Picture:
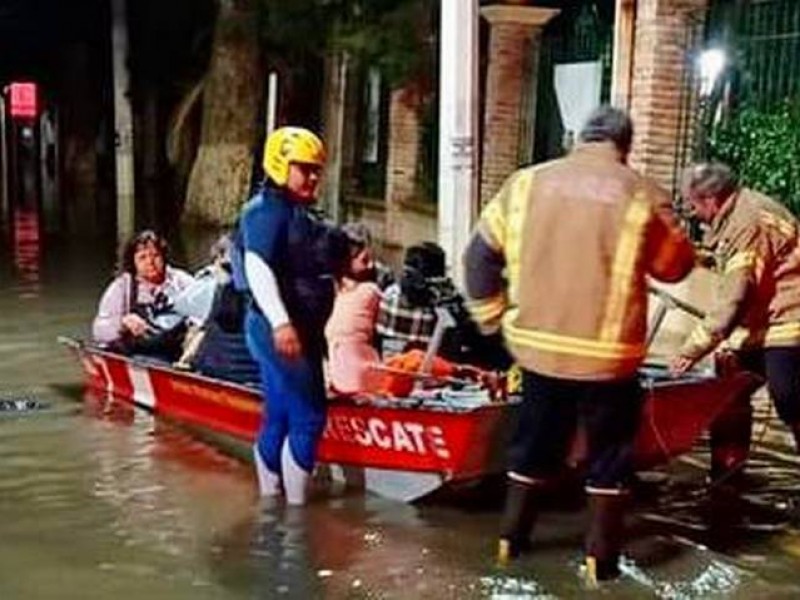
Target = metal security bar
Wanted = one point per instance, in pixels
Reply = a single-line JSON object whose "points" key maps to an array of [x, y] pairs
{"points": [[760, 40], [767, 41]]}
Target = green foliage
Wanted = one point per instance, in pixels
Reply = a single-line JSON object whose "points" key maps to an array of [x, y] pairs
{"points": [[388, 34], [763, 148]]}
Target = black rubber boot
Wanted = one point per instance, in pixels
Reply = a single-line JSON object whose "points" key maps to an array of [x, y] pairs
{"points": [[730, 442], [519, 515], [795, 429], [604, 536]]}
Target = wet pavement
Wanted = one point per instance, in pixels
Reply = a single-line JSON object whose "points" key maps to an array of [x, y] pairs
{"points": [[100, 501]]}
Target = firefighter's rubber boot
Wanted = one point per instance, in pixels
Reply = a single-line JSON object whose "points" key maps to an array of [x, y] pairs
{"points": [[795, 428], [269, 482], [604, 537], [295, 478], [519, 515], [730, 442]]}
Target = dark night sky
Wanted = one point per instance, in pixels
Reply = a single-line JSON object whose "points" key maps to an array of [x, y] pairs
{"points": [[33, 31]]}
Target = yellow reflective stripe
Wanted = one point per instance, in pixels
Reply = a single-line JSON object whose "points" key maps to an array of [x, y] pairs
{"points": [[606, 491], [487, 309], [565, 344], [736, 340], [741, 260], [785, 227], [623, 268], [783, 332], [700, 337], [517, 214], [495, 222]]}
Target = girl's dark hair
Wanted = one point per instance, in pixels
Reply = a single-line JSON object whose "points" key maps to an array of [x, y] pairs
{"points": [[358, 237], [355, 237], [143, 238]]}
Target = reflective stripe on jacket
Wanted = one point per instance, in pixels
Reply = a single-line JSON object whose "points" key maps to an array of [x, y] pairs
{"points": [[560, 257], [750, 237]]}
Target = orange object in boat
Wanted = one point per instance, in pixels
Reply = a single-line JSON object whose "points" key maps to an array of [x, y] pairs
{"points": [[399, 384]]}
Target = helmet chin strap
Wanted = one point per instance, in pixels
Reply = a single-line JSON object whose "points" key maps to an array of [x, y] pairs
{"points": [[301, 199]]}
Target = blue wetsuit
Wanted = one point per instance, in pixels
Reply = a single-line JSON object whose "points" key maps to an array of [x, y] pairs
{"points": [[297, 248]]}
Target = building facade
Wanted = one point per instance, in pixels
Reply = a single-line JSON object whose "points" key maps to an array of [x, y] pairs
{"points": [[543, 65]]}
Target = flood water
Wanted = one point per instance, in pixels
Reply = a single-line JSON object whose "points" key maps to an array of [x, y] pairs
{"points": [[101, 502]]}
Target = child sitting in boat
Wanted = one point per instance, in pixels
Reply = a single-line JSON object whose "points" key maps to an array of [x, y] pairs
{"points": [[196, 301], [407, 314], [136, 313], [350, 331], [215, 344]]}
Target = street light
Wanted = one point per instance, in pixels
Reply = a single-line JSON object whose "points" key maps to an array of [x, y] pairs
{"points": [[710, 65]]}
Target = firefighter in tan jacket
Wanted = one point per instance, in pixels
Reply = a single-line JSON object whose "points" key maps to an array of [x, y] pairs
{"points": [[559, 261], [757, 313]]}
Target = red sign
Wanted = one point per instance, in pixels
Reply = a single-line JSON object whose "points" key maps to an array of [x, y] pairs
{"points": [[23, 100]]}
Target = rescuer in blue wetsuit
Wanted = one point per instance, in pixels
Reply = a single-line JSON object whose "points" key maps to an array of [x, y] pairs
{"points": [[285, 257]]}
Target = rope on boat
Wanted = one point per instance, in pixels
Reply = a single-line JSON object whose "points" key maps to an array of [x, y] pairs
{"points": [[662, 444], [753, 444], [670, 302], [656, 432]]}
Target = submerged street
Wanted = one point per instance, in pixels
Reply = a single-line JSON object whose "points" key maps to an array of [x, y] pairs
{"points": [[98, 501]]}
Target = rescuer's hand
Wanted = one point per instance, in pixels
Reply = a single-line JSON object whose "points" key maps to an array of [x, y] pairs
{"points": [[680, 364], [791, 264], [287, 343]]}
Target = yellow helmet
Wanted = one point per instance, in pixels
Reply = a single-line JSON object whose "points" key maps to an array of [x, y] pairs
{"points": [[291, 144]]}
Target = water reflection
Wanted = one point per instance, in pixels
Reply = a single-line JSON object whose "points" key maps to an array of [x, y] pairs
{"points": [[27, 251], [101, 501]]}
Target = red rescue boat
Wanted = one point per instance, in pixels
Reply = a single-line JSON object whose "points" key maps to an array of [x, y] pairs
{"points": [[407, 448]]}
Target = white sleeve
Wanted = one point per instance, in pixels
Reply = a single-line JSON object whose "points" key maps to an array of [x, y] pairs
{"points": [[264, 288]]}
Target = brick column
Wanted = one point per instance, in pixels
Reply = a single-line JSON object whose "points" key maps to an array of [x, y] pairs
{"points": [[624, 32], [510, 81], [402, 159], [658, 66]]}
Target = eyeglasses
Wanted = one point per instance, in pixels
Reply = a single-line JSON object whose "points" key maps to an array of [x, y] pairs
{"points": [[309, 169]]}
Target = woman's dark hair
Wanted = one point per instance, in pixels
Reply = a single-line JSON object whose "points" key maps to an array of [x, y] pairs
{"points": [[143, 238]]}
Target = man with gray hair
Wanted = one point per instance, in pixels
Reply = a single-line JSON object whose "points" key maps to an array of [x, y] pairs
{"points": [[559, 260], [757, 313]]}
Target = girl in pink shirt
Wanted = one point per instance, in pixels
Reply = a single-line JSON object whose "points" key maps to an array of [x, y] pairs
{"points": [[350, 330]]}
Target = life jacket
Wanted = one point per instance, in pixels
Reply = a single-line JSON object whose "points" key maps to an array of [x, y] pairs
{"points": [[309, 253], [223, 353]]}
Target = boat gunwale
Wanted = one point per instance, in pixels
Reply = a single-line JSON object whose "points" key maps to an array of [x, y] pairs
{"points": [[386, 404], [693, 377]]}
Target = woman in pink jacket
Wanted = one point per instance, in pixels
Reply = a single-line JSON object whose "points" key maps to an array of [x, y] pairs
{"points": [[350, 331]]}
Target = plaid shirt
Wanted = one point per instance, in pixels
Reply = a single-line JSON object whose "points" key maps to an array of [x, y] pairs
{"points": [[398, 320]]}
